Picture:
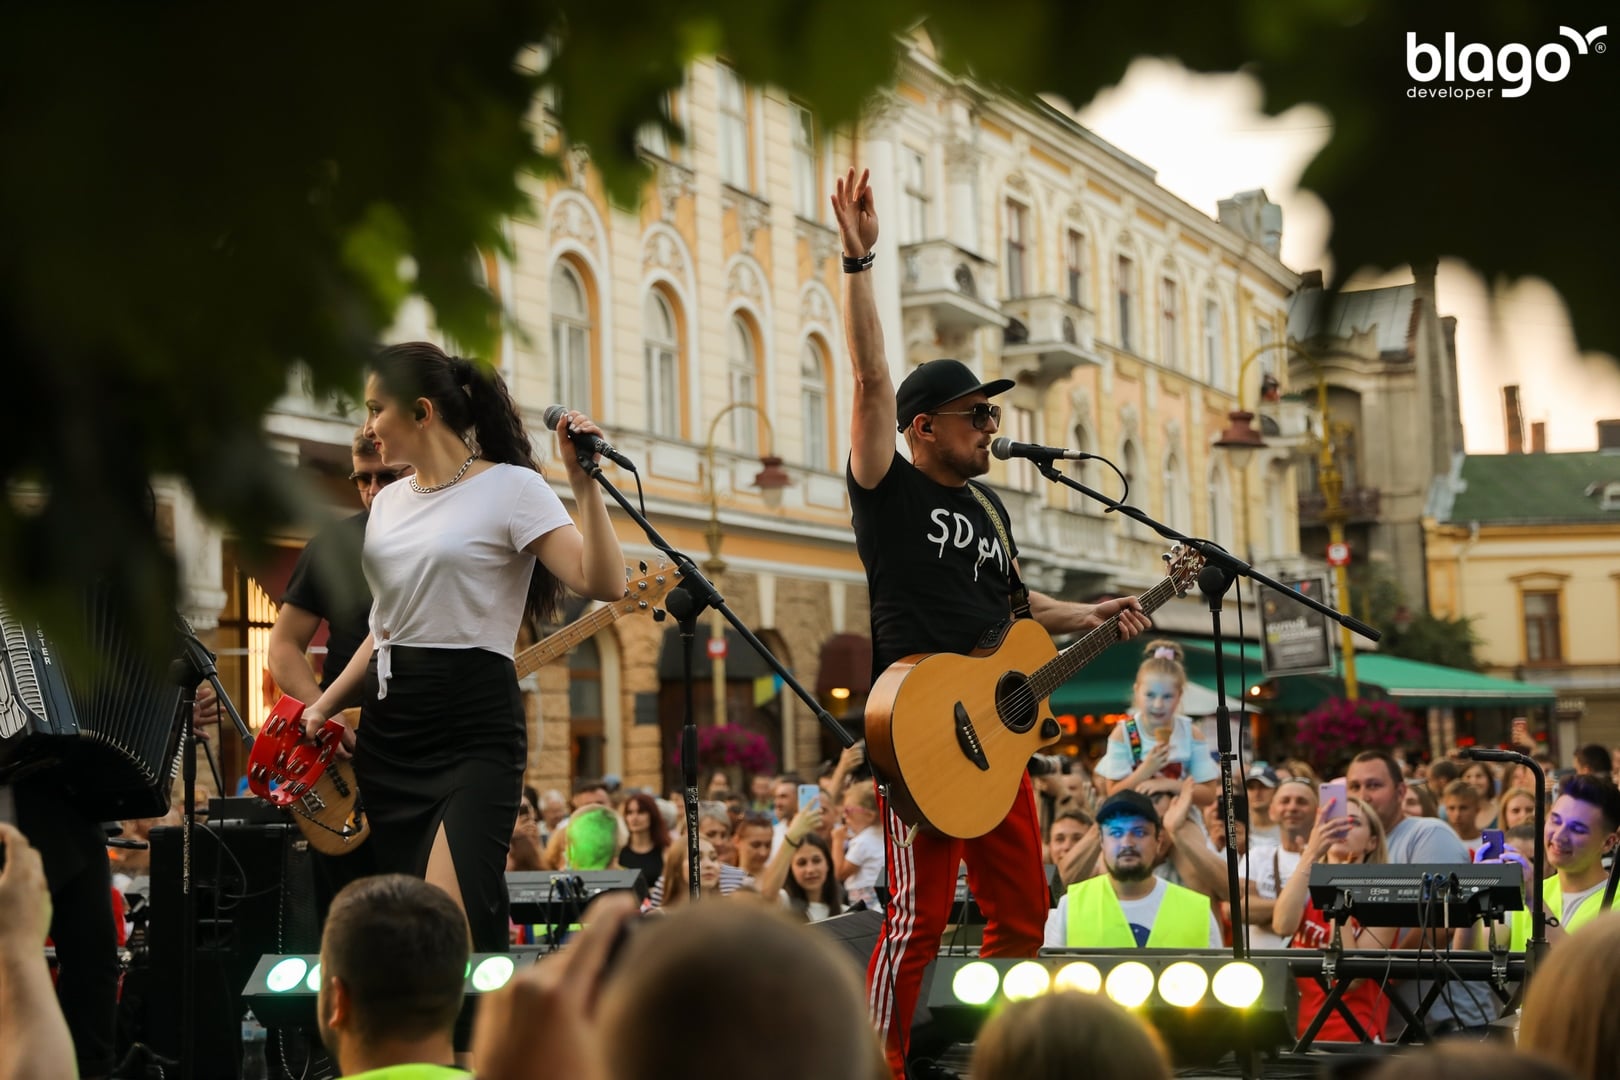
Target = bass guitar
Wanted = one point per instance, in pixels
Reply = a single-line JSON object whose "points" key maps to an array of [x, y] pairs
{"points": [[951, 735], [330, 814]]}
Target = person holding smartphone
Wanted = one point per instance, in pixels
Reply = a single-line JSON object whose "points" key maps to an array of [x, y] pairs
{"points": [[1346, 831]]}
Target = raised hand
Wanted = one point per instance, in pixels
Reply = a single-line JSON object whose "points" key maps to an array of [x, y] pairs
{"points": [[856, 213]]}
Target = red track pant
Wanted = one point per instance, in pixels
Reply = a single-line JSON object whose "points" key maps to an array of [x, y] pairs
{"points": [[1004, 872]]}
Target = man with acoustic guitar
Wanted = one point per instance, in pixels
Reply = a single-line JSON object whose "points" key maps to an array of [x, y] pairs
{"points": [[941, 570]]}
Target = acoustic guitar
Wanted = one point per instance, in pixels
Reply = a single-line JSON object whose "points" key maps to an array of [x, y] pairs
{"points": [[951, 735], [330, 814]]}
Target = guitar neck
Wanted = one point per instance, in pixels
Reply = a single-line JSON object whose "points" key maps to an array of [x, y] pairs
{"points": [[1058, 670], [543, 652]]}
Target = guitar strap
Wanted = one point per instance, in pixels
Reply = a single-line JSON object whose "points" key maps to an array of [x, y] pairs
{"points": [[1133, 735], [1019, 594]]}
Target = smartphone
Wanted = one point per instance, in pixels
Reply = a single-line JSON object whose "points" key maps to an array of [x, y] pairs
{"points": [[1490, 845], [1334, 790], [809, 795]]}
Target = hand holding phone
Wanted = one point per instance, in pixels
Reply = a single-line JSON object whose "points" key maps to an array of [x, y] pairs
{"points": [[1335, 799], [809, 795], [1490, 845]]}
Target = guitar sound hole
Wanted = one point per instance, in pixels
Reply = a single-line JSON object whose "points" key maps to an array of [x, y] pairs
{"points": [[1014, 703]]}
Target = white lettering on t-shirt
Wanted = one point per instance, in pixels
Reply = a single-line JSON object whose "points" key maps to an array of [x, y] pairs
{"points": [[957, 531]]}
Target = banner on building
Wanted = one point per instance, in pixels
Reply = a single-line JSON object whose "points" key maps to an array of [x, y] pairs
{"points": [[1296, 640]]}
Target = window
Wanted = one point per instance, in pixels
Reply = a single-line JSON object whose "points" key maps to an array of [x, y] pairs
{"points": [[653, 138], [813, 404], [662, 376], [1177, 505], [1020, 427], [742, 373], [806, 170], [1212, 342], [1220, 512], [1077, 471], [1543, 641], [1074, 258], [570, 337], [1017, 238], [1124, 273], [585, 730], [734, 165], [1132, 467], [914, 219], [1167, 322]]}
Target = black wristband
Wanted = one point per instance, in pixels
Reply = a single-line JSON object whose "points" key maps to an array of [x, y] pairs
{"points": [[853, 265]]}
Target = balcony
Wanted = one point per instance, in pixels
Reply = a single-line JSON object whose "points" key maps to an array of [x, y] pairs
{"points": [[1078, 537], [952, 285], [309, 427], [1047, 338], [1360, 507]]}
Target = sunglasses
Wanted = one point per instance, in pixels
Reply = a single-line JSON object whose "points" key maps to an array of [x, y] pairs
{"points": [[983, 414], [384, 477]]}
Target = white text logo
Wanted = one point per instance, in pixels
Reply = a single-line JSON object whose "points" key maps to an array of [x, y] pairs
{"points": [[1515, 65]]}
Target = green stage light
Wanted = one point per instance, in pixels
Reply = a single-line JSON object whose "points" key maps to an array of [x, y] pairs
{"points": [[975, 983], [1183, 983], [492, 973], [1238, 985], [1026, 980], [1129, 984], [1081, 976], [286, 974], [313, 983]]}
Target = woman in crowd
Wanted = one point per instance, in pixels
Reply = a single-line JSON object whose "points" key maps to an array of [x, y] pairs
{"points": [[1156, 748], [456, 557], [1045, 1038], [677, 887], [1516, 807], [1568, 1010], [1483, 780], [801, 870], [1355, 835], [649, 837], [1420, 801]]}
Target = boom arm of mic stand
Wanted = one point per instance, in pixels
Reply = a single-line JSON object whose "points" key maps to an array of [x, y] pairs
{"points": [[1213, 553], [200, 663]]}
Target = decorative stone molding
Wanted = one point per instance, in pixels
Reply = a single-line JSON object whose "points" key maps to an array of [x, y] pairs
{"points": [[675, 182], [570, 220], [753, 214], [579, 163], [823, 241], [1018, 182], [743, 280], [816, 306], [662, 252]]}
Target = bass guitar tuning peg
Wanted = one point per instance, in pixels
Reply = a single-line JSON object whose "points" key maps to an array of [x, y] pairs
{"points": [[659, 614]]}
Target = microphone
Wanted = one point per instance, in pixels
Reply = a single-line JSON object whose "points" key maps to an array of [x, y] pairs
{"points": [[1485, 753], [1005, 449], [584, 444]]}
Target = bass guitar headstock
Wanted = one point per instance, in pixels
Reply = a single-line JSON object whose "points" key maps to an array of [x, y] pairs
{"points": [[643, 594]]}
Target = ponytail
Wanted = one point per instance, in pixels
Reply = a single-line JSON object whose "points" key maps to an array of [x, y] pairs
{"points": [[474, 402]]}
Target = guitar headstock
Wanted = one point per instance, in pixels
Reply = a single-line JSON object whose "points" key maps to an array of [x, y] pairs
{"points": [[644, 593], [1182, 565]]}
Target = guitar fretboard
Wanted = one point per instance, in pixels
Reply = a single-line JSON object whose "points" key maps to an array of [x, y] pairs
{"points": [[1058, 670], [544, 652]]}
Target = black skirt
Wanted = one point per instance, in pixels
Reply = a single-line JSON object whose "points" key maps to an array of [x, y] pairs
{"points": [[446, 746]]}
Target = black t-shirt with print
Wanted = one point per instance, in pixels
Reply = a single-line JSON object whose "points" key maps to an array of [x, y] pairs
{"points": [[329, 582], [936, 571]]}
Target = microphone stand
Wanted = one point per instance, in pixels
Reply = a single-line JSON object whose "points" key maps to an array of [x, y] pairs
{"points": [[1220, 570], [686, 602], [194, 664], [1536, 948]]}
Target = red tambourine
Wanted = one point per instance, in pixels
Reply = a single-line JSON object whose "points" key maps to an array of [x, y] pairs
{"points": [[281, 756]]}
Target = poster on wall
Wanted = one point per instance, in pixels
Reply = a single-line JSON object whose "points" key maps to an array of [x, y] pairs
{"points": [[1295, 639]]}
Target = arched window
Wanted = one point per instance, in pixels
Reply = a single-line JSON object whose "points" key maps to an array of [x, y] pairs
{"points": [[1212, 342], [662, 379], [586, 734], [1077, 471], [813, 404], [1220, 509], [1177, 505], [743, 377], [1132, 467], [570, 337]]}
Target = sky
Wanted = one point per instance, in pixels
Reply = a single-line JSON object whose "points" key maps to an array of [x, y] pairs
{"points": [[1207, 139]]}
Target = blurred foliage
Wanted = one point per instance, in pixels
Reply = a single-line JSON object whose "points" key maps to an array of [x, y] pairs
{"points": [[1411, 631], [196, 196]]}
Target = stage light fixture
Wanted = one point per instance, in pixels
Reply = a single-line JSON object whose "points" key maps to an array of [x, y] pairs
{"points": [[1081, 976], [492, 973], [1183, 984], [976, 983], [1237, 985], [286, 974], [1129, 984], [1026, 980], [283, 988], [313, 983]]}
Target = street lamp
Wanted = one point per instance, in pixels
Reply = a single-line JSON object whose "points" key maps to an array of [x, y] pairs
{"points": [[1241, 440], [770, 481]]}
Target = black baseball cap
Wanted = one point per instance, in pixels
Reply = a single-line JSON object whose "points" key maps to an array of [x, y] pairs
{"points": [[933, 384], [1128, 804]]}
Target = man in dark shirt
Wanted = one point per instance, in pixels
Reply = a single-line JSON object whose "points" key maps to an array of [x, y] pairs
{"points": [[939, 574], [328, 585]]}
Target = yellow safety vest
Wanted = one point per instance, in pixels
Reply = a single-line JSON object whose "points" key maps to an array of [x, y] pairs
{"points": [[1096, 921], [1552, 899]]}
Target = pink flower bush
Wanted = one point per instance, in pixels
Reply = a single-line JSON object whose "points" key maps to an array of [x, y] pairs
{"points": [[733, 745], [1337, 729]]}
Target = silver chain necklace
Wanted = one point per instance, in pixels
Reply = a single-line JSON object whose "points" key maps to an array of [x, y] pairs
{"points": [[465, 465]]}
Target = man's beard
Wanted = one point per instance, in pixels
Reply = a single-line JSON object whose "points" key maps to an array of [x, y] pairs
{"points": [[1139, 872]]}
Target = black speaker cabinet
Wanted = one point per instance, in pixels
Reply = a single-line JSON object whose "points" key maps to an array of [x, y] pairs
{"points": [[254, 895]]}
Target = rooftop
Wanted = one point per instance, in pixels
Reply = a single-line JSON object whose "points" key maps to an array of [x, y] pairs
{"points": [[1524, 488], [1388, 310]]}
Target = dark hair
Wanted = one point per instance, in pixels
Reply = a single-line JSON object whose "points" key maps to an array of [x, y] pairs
{"points": [[1596, 758], [1041, 1038], [1070, 811], [1396, 776], [474, 403], [362, 446], [581, 787], [400, 947], [832, 889], [752, 819], [1443, 772], [649, 806], [1476, 1061], [1522, 833], [1599, 792]]}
